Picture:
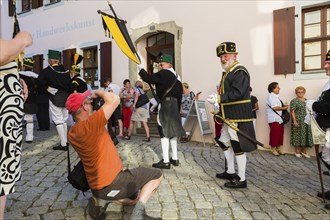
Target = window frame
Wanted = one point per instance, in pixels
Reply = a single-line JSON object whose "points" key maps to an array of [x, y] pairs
{"points": [[323, 38], [19, 6], [305, 75], [52, 2]]}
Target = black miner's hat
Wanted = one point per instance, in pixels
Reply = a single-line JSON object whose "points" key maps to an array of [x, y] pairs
{"points": [[226, 48]]}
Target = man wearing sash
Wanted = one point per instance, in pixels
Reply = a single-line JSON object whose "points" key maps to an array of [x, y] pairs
{"points": [[235, 106], [169, 91], [56, 79], [322, 110]]}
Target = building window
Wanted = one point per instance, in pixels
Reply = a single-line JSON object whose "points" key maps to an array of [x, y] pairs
{"points": [[90, 66], [26, 5], [50, 2], [315, 37], [23, 6]]}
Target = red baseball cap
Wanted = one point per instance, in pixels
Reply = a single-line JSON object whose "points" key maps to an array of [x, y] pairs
{"points": [[75, 101]]}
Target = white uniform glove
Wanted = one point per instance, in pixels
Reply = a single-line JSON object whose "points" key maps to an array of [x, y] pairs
{"points": [[52, 90], [140, 67]]}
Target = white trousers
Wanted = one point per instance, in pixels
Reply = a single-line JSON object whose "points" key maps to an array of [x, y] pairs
{"points": [[29, 127]]}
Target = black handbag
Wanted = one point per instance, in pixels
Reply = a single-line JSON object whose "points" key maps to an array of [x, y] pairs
{"points": [[142, 100], [77, 177], [285, 114]]}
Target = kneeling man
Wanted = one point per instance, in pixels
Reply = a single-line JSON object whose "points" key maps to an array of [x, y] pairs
{"points": [[102, 164]]}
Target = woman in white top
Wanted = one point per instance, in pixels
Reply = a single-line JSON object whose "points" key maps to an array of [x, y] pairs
{"points": [[274, 120]]}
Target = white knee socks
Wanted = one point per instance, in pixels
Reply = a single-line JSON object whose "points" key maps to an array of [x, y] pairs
{"points": [[174, 146], [61, 134], [241, 165], [229, 155], [29, 131], [165, 147]]}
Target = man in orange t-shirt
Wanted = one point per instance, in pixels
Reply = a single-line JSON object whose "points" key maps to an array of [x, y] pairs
{"points": [[102, 164]]}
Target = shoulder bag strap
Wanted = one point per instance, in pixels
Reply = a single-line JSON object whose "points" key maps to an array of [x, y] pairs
{"points": [[169, 89], [274, 111], [69, 164]]}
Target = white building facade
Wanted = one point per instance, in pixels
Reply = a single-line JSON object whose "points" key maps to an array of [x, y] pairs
{"points": [[194, 29]]}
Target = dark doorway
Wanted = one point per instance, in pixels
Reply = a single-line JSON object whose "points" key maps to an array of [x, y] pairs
{"points": [[158, 44]]}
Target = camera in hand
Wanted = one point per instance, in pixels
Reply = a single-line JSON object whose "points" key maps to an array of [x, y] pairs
{"points": [[97, 103]]}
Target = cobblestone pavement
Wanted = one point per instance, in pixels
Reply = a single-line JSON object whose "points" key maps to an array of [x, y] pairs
{"points": [[282, 187]]}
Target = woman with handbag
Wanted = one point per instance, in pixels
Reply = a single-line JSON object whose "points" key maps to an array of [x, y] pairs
{"points": [[140, 111], [274, 110]]}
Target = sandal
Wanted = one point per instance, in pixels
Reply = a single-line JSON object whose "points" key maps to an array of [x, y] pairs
{"points": [[147, 139], [127, 137], [184, 139]]}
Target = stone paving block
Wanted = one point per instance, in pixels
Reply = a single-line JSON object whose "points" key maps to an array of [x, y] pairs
{"points": [[207, 213], [291, 214], [13, 215], [228, 199], [172, 207], [37, 210], [188, 214], [53, 215], [317, 216], [260, 216], [22, 206], [251, 207], [207, 191], [222, 216], [299, 209], [31, 217], [275, 214], [203, 205], [283, 207], [182, 198], [316, 209], [59, 205], [155, 214], [170, 215], [186, 205], [241, 214], [155, 206], [66, 196], [49, 195], [79, 203], [180, 192], [41, 202], [235, 206], [31, 194], [211, 198], [167, 198]]}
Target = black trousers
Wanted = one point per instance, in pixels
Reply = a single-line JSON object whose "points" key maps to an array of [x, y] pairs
{"points": [[43, 116]]}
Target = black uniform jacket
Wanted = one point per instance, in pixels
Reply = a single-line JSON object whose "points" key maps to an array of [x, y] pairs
{"points": [[322, 109]]}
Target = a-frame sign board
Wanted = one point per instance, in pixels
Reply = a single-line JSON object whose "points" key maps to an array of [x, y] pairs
{"points": [[198, 113]]}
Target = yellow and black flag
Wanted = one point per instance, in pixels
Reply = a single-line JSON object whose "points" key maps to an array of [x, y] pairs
{"points": [[118, 30]]}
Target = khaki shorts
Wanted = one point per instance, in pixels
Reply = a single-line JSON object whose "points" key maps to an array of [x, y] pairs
{"points": [[127, 183]]}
